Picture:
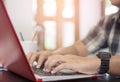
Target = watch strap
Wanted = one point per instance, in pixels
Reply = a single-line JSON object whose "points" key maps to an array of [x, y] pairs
{"points": [[105, 60], [104, 67]]}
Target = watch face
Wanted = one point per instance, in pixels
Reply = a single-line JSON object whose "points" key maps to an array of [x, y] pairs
{"points": [[104, 55]]}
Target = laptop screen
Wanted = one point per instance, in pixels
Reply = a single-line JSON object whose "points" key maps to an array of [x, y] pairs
{"points": [[12, 56]]}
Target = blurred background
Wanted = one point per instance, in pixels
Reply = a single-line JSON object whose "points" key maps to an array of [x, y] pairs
{"points": [[56, 23]]}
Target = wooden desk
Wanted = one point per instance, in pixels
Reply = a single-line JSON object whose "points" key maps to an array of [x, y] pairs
{"points": [[11, 77]]}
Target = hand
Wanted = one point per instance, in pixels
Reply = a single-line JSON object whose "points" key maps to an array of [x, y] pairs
{"points": [[55, 63], [40, 57]]}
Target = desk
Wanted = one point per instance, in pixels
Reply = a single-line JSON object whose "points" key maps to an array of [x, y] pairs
{"points": [[11, 77]]}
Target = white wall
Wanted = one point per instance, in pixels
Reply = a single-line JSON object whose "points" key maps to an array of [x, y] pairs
{"points": [[20, 12], [89, 15]]}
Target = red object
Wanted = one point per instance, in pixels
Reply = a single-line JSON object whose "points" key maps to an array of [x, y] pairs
{"points": [[12, 56], [39, 80], [95, 77]]}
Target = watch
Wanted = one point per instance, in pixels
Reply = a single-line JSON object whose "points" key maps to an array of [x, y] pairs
{"points": [[105, 60]]}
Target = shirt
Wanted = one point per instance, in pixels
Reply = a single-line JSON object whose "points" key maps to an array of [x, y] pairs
{"points": [[106, 34]]}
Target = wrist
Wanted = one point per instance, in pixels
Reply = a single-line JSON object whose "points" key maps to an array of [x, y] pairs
{"points": [[92, 65], [96, 65]]}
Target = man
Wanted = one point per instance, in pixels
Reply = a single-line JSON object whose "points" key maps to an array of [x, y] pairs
{"points": [[105, 34]]}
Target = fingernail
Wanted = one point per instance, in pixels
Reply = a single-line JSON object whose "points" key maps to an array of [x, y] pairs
{"points": [[44, 69], [37, 66], [52, 72], [47, 70]]}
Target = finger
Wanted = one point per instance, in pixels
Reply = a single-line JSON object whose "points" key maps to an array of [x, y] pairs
{"points": [[42, 57], [41, 60], [50, 63], [33, 58], [29, 55], [60, 67]]}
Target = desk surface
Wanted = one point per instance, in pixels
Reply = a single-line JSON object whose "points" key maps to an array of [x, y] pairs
{"points": [[10, 77]]}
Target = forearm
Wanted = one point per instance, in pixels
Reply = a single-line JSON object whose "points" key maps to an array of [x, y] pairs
{"points": [[77, 49], [66, 50], [81, 48], [115, 65]]}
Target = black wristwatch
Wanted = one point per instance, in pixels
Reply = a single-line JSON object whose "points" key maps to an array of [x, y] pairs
{"points": [[105, 59]]}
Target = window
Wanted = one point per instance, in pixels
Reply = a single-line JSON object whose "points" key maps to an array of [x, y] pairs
{"points": [[58, 18], [110, 8]]}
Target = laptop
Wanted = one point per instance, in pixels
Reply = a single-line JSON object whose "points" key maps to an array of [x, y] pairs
{"points": [[12, 56]]}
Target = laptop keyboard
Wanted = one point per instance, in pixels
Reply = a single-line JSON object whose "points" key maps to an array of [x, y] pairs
{"points": [[40, 72]]}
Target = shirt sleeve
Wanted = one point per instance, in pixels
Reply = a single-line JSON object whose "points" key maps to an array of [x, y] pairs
{"points": [[96, 37]]}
